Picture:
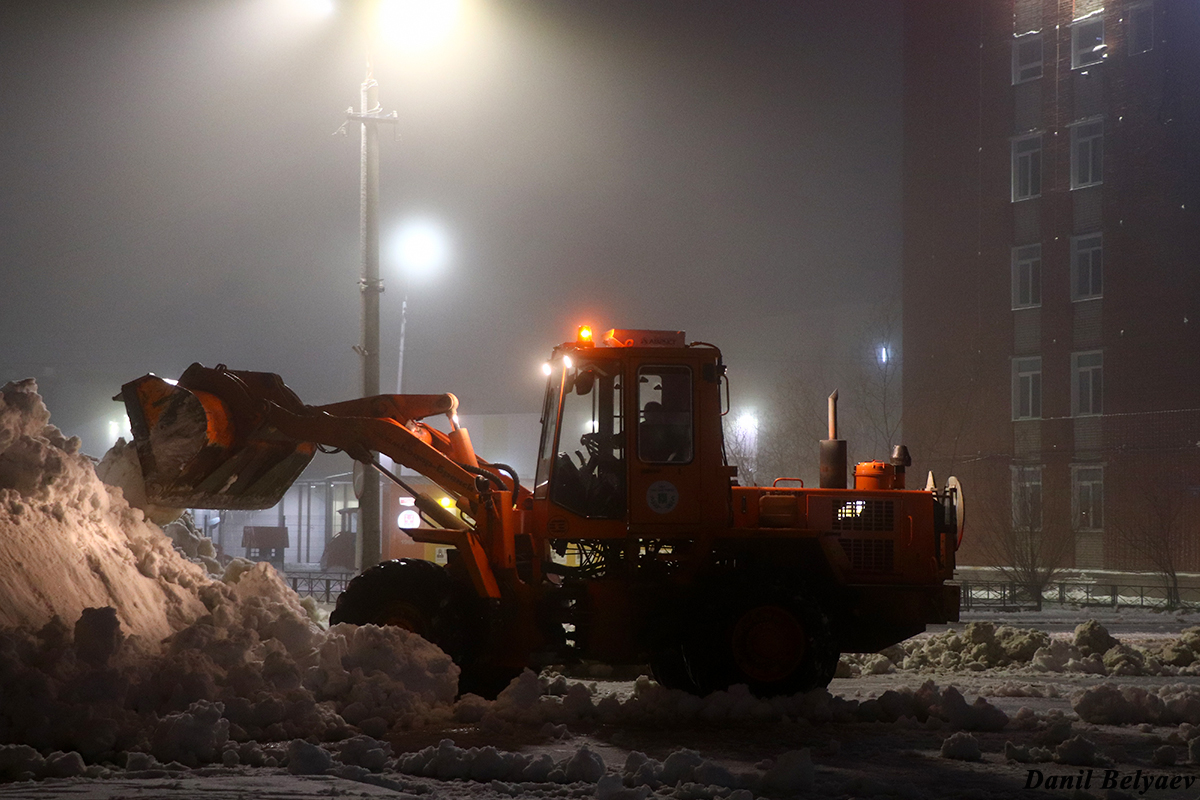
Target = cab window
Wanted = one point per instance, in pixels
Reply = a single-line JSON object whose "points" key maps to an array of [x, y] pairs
{"points": [[589, 463], [664, 400]]}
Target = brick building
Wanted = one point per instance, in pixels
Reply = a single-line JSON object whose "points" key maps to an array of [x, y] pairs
{"points": [[1052, 272]]}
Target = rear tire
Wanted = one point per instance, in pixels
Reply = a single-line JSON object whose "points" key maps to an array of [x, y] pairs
{"points": [[774, 641]]}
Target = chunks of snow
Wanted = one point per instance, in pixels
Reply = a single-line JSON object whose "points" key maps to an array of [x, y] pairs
{"points": [[307, 759], [191, 737], [1109, 704], [1093, 638], [1079, 751], [791, 773], [982, 646], [961, 747]]}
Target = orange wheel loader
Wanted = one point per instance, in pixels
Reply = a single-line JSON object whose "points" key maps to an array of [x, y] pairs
{"points": [[633, 544]]}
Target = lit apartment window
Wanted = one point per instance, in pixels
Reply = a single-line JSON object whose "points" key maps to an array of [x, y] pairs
{"points": [[1027, 387], [1087, 266], [1140, 38], [1087, 497], [1087, 42], [1027, 276], [1027, 167], [1087, 153], [1027, 58], [1087, 383], [1027, 498]]}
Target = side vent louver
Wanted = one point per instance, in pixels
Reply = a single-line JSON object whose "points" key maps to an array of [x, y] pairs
{"points": [[870, 555]]}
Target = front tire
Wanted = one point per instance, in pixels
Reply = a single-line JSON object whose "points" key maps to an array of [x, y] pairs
{"points": [[409, 593], [424, 598]]}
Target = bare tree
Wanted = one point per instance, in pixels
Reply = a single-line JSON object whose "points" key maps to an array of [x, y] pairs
{"points": [[871, 386], [1016, 542], [741, 446], [791, 424], [1157, 530]]}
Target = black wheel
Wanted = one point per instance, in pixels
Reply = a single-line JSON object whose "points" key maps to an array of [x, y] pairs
{"points": [[670, 668], [424, 598], [775, 642], [409, 593]]}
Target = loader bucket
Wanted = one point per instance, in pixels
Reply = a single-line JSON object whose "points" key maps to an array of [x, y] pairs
{"points": [[202, 442]]}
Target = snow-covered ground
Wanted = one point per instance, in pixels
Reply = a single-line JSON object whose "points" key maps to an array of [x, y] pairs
{"points": [[129, 669]]}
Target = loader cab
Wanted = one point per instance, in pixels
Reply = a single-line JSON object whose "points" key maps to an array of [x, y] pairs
{"points": [[623, 434]]}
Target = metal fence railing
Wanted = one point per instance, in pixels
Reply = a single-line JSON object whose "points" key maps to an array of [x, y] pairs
{"points": [[1013, 596], [324, 587], [998, 595]]}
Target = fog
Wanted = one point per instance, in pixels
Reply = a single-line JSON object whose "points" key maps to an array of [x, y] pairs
{"points": [[172, 190]]}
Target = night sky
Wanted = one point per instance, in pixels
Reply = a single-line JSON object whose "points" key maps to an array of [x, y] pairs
{"points": [[171, 190]]}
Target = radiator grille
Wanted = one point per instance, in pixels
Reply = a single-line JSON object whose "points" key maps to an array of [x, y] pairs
{"points": [[870, 555], [863, 515]]}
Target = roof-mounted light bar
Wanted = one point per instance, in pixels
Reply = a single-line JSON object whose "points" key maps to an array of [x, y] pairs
{"points": [[620, 337]]}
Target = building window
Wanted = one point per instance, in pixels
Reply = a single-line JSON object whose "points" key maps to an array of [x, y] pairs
{"points": [[1087, 498], [1027, 498], [1027, 387], [1027, 167], [1087, 266], [1087, 153], [1087, 383], [1141, 29], [1087, 42], [1027, 276], [1027, 58]]}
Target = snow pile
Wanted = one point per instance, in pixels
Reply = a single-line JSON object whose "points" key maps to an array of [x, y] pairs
{"points": [[254, 668], [67, 543], [1109, 704], [121, 469], [982, 646], [528, 702], [112, 641], [961, 747], [684, 773], [979, 646], [692, 774]]}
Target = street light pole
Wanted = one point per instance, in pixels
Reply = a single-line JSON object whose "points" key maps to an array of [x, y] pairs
{"points": [[370, 286]]}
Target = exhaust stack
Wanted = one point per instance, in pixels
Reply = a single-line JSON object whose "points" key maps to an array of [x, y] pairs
{"points": [[833, 452]]}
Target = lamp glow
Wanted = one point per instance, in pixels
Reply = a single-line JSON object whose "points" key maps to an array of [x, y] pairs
{"points": [[417, 24], [420, 247]]}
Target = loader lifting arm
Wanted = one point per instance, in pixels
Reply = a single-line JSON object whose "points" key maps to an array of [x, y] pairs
{"points": [[221, 438]]}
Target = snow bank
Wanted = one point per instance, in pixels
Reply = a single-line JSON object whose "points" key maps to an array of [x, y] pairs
{"points": [[551, 701], [982, 646], [1109, 704], [68, 543], [112, 640]]}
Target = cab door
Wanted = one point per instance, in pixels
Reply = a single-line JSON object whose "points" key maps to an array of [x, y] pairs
{"points": [[664, 467]]}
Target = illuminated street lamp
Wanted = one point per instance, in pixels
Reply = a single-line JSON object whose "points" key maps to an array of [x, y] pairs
{"points": [[409, 23], [420, 248]]}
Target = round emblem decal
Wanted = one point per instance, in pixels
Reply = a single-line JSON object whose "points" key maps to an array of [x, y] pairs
{"points": [[662, 497]]}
